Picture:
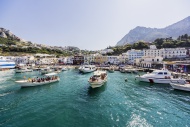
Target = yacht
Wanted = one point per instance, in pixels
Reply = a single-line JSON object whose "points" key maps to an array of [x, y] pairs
{"points": [[87, 68], [98, 79], [160, 76]]}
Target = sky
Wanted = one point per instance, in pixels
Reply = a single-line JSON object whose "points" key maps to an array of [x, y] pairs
{"points": [[87, 24]]}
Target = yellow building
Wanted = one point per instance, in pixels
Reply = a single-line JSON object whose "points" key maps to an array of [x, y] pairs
{"points": [[100, 59]]}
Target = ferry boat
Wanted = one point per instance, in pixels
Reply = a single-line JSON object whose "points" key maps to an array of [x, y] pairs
{"points": [[159, 76], [87, 68], [50, 78], [6, 64], [98, 79]]}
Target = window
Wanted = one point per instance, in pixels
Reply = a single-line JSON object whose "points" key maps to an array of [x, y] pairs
{"points": [[160, 73], [165, 73]]}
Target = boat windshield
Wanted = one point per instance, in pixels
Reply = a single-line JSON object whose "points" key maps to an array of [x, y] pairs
{"points": [[154, 72]]}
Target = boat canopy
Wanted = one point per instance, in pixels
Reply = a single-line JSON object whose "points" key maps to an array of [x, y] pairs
{"points": [[51, 74], [99, 72]]}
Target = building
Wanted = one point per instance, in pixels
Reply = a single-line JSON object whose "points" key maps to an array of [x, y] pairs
{"points": [[148, 62], [100, 59], [134, 54], [165, 52], [78, 60], [47, 59], [113, 60]]}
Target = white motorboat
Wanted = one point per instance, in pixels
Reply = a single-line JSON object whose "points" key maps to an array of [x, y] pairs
{"points": [[64, 69], [50, 78], [46, 71], [159, 76], [87, 68], [184, 87], [98, 79], [22, 70]]}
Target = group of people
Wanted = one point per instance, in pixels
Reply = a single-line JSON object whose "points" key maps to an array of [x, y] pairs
{"points": [[43, 79]]}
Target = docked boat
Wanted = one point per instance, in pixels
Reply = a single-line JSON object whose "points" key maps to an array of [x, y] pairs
{"points": [[46, 71], [22, 70], [178, 86], [50, 78], [87, 68], [160, 76], [111, 70], [6, 64], [98, 79], [64, 69]]}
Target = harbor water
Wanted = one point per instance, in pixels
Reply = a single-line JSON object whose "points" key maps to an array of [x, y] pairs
{"points": [[72, 102]]}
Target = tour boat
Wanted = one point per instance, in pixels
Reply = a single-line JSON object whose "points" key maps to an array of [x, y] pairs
{"points": [[98, 79], [22, 70], [178, 86], [87, 68], [159, 76], [50, 78]]}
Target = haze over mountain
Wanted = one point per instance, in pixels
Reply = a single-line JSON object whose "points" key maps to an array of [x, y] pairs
{"points": [[150, 34]]}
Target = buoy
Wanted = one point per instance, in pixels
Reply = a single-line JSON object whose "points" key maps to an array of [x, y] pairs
{"points": [[126, 79]]}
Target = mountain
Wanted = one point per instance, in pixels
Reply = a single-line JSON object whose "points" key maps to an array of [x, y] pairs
{"points": [[7, 34], [150, 34]]}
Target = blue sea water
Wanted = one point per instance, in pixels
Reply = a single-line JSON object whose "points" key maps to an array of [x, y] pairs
{"points": [[72, 102]]}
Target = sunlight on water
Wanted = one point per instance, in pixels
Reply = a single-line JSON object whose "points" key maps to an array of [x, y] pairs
{"points": [[137, 121]]}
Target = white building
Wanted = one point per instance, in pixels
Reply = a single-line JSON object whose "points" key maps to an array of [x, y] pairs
{"points": [[123, 58], [24, 59], [146, 61], [165, 52], [113, 60], [68, 60], [45, 59], [134, 54], [105, 51], [88, 59]]}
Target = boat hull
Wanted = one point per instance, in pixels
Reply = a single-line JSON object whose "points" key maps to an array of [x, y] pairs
{"points": [[141, 79], [185, 87], [26, 83], [95, 84], [168, 81], [86, 71], [22, 71]]}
